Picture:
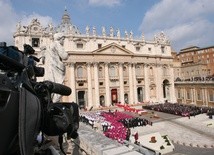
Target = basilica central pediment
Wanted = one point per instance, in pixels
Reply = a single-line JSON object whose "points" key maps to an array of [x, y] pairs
{"points": [[113, 49]]}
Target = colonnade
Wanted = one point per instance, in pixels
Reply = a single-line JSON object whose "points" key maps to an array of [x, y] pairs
{"points": [[93, 88], [193, 95]]}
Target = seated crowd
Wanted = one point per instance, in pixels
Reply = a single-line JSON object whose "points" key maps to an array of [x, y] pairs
{"points": [[178, 109], [115, 125], [134, 122]]}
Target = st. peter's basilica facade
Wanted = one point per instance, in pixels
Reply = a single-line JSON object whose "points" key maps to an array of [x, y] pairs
{"points": [[107, 68]]}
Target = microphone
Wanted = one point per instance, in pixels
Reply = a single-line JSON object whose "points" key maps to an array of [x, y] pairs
{"points": [[58, 88]]}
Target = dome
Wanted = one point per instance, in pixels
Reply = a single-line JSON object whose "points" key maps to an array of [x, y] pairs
{"points": [[66, 26]]}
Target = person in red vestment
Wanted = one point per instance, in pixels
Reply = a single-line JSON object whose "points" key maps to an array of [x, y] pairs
{"points": [[136, 136]]}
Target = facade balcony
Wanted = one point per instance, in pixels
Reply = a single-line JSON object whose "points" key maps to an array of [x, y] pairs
{"points": [[195, 78], [195, 81], [140, 77], [81, 79], [114, 78]]}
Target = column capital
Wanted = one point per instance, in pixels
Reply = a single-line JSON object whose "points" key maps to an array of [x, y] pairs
{"points": [[71, 64], [130, 63], [95, 64], [159, 65], [106, 63], [152, 64], [134, 64], [88, 64], [146, 65], [121, 63]]}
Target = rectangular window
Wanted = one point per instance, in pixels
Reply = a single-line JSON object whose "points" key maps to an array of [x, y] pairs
{"points": [[35, 42], [79, 45], [138, 48], [162, 49], [99, 46], [123, 46], [149, 49]]}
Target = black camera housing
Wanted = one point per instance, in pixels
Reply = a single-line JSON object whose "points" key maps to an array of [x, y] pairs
{"points": [[26, 107]]}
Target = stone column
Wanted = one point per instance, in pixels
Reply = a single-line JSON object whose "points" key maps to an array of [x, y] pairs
{"points": [[96, 86], [107, 88], [146, 83], [131, 99], [89, 82], [121, 83], [184, 95], [206, 95], [158, 82], [172, 86], [72, 97], [203, 95], [134, 85], [194, 96]]}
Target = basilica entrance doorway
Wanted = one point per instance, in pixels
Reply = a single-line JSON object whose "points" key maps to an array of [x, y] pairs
{"points": [[126, 98], [114, 98], [102, 100], [166, 94], [140, 94], [81, 99]]}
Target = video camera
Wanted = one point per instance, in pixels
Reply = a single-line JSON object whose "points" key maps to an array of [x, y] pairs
{"points": [[26, 108]]}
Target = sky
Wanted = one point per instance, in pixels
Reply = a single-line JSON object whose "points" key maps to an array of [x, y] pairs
{"points": [[185, 22]]}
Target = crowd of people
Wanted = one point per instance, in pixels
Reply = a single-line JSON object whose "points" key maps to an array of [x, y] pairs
{"points": [[210, 112], [178, 109], [134, 122], [115, 125]]}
